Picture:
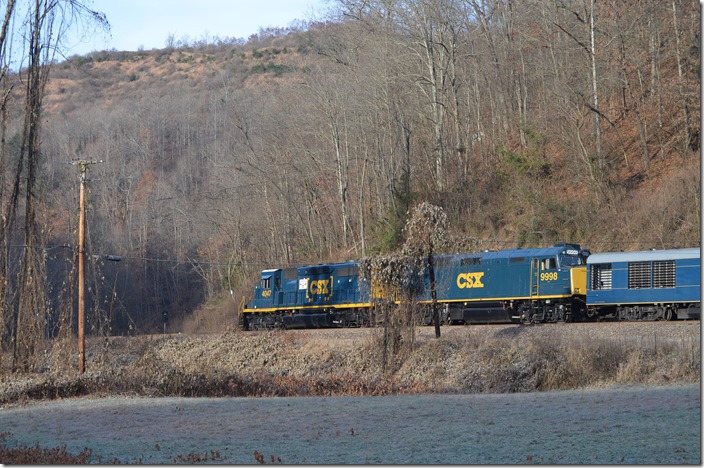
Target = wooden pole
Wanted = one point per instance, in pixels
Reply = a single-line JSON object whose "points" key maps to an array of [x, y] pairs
{"points": [[83, 167], [81, 291]]}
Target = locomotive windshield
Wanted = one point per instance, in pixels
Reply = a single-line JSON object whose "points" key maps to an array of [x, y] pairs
{"points": [[571, 258]]}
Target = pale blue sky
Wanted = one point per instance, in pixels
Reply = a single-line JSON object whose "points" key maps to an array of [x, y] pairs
{"points": [[147, 23]]}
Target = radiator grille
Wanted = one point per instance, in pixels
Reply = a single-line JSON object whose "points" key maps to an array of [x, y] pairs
{"points": [[638, 275], [601, 276], [664, 274]]}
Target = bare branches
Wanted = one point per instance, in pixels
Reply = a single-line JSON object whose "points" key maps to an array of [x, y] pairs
{"points": [[46, 22]]}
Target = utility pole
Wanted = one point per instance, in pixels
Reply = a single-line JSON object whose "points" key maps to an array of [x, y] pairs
{"points": [[83, 167]]}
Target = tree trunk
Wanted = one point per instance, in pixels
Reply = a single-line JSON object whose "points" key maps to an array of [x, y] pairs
{"points": [[596, 116], [433, 290], [680, 74]]}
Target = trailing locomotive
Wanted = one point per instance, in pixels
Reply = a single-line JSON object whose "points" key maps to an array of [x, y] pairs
{"points": [[517, 285], [326, 295], [646, 285]]}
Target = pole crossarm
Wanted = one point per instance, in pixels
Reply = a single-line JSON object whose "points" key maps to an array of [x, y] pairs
{"points": [[84, 164]]}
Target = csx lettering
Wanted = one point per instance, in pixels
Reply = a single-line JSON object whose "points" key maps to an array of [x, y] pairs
{"points": [[319, 287], [470, 280]]}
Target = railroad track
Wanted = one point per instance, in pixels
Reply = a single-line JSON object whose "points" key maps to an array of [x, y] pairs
{"points": [[663, 331]]}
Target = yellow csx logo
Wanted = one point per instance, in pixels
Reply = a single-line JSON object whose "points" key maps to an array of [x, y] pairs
{"points": [[319, 287], [470, 280], [266, 293]]}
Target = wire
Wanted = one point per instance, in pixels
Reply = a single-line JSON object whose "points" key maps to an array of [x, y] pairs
{"points": [[191, 261]]}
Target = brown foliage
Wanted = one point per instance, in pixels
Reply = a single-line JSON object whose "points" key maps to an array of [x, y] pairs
{"points": [[335, 362]]}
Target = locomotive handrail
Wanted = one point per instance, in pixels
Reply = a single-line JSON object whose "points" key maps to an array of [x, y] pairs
{"points": [[240, 308]]}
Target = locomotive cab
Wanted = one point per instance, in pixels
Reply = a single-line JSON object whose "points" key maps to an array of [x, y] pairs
{"points": [[576, 262], [558, 285], [267, 292], [562, 273]]}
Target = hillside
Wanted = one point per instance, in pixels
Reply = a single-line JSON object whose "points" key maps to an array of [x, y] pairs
{"points": [[105, 78], [305, 146]]}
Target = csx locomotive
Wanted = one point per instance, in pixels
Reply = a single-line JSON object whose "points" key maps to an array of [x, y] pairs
{"points": [[562, 283]]}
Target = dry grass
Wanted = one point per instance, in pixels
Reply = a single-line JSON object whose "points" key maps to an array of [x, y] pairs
{"points": [[463, 360], [37, 455], [536, 362]]}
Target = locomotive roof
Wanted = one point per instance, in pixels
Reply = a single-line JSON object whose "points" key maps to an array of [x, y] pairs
{"points": [[513, 253], [268, 273], [643, 255], [321, 266], [330, 265]]}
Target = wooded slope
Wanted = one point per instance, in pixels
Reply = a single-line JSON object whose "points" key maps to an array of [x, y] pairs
{"points": [[528, 122]]}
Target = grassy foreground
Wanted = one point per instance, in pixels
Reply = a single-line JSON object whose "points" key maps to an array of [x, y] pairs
{"points": [[353, 362]]}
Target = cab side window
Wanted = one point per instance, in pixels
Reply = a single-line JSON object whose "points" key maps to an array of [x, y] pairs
{"points": [[266, 283], [548, 264]]}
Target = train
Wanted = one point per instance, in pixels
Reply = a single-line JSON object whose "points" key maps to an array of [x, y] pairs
{"points": [[561, 283]]}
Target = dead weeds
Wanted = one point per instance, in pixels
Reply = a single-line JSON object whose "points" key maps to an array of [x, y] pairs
{"points": [[467, 360]]}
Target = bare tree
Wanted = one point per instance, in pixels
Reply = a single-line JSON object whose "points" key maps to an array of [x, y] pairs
{"points": [[46, 23], [7, 86], [426, 233], [680, 77]]}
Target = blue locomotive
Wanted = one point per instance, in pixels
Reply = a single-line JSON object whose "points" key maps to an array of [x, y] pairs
{"points": [[326, 295], [646, 285], [517, 285]]}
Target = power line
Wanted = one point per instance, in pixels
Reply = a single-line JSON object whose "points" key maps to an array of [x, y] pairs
{"points": [[191, 261]]}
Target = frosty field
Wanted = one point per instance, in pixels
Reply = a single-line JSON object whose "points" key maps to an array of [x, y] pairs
{"points": [[629, 425]]}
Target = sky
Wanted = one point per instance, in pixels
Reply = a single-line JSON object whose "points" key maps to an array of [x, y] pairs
{"points": [[146, 24]]}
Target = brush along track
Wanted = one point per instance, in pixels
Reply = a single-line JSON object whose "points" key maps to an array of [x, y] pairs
{"points": [[466, 359]]}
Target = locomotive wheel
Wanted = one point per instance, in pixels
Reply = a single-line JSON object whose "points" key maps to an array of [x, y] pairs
{"points": [[591, 315], [668, 315]]}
